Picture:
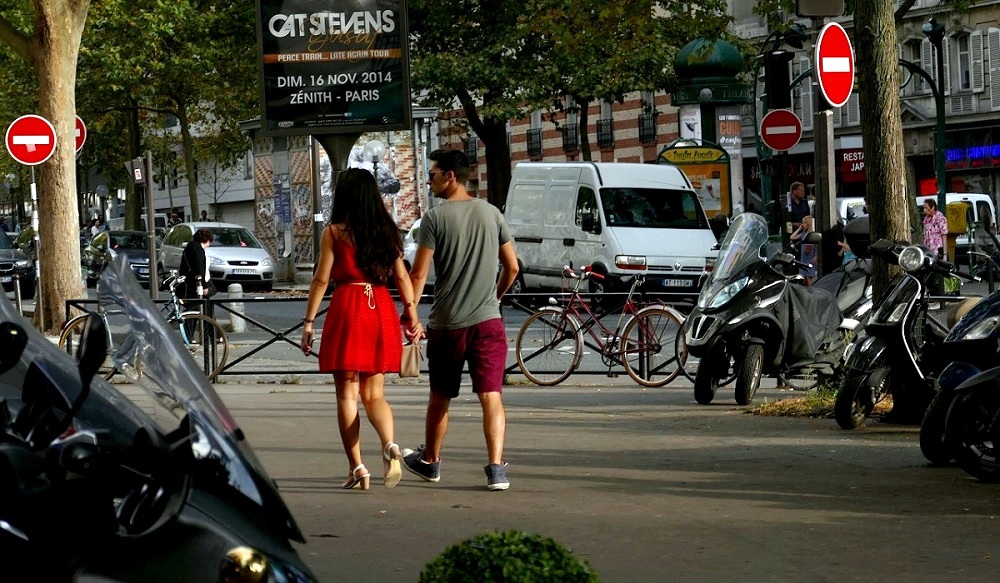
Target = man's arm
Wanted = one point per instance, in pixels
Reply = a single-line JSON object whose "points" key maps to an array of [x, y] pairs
{"points": [[508, 268], [418, 271]]}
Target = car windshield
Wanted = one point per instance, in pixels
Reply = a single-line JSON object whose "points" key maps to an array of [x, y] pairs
{"points": [[128, 241], [654, 208], [233, 237], [5, 242]]}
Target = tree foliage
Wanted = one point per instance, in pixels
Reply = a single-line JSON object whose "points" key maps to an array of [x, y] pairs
{"points": [[502, 60]]}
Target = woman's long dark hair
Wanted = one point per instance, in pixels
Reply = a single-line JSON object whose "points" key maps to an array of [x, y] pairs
{"points": [[358, 204]]}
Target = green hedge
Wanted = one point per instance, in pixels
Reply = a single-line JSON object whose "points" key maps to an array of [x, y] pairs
{"points": [[507, 556]]}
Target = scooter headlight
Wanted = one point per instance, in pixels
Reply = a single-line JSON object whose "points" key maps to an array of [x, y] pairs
{"points": [[982, 329], [727, 293], [913, 258]]}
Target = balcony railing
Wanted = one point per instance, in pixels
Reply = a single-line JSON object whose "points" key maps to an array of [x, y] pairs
{"points": [[571, 137], [605, 133], [534, 142]]}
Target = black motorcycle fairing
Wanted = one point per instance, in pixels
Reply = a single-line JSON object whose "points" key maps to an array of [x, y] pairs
{"points": [[986, 380], [154, 358], [982, 320]]}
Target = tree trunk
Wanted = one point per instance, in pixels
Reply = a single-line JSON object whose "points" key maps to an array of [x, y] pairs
{"points": [[54, 50], [135, 200], [189, 165], [584, 134], [882, 129], [493, 133]]}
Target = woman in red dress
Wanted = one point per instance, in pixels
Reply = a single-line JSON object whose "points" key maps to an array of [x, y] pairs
{"points": [[361, 249]]}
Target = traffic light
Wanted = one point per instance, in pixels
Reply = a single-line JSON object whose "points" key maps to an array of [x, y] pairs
{"points": [[777, 79]]}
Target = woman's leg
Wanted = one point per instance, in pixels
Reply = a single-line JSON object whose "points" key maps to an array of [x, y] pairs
{"points": [[380, 416], [376, 407], [348, 419]]}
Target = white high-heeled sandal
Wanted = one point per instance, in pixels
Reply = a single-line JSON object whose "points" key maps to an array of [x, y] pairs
{"points": [[393, 465], [358, 480]]}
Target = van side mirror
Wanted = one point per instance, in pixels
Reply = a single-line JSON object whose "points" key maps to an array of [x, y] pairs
{"points": [[590, 224]]}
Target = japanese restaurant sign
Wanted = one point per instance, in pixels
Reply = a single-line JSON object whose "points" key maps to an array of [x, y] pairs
{"points": [[333, 66]]}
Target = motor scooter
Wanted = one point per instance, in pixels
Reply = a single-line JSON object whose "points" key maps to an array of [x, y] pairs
{"points": [[900, 350], [155, 482], [972, 346], [972, 425], [752, 316]]}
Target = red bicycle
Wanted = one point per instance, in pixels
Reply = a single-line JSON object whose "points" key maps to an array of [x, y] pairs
{"points": [[551, 341]]}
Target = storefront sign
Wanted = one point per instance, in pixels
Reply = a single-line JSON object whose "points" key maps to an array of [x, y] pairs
{"points": [[333, 66], [852, 165]]}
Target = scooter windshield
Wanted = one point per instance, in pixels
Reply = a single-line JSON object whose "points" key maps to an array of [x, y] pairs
{"points": [[739, 249], [153, 357]]}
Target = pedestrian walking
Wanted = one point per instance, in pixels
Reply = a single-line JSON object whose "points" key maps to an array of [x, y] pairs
{"points": [[798, 204], [360, 251], [935, 231], [807, 251], [464, 236]]}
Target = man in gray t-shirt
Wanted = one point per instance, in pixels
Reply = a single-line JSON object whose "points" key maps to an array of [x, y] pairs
{"points": [[465, 237]]}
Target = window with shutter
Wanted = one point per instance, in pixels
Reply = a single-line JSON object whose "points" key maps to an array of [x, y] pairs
{"points": [[806, 96], [976, 46], [993, 49]]}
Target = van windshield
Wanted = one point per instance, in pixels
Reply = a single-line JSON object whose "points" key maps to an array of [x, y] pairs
{"points": [[653, 208]]}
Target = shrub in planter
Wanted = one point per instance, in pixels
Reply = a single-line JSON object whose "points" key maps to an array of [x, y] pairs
{"points": [[507, 556]]}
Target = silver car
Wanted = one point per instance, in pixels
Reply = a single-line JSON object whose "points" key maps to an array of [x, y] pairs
{"points": [[235, 255]]}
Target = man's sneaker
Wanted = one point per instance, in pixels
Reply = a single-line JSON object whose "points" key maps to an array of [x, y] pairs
{"points": [[414, 461], [496, 476]]}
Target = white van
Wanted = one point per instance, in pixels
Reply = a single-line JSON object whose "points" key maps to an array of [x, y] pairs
{"points": [[982, 209], [620, 218], [159, 220]]}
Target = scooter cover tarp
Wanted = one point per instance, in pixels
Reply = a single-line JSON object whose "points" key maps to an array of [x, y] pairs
{"points": [[814, 317]]}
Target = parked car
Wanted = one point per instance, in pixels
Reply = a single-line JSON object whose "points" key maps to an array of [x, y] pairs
{"points": [[235, 255], [15, 262], [410, 251], [107, 245]]}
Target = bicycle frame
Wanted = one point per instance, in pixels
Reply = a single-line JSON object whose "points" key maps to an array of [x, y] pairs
{"points": [[607, 344]]}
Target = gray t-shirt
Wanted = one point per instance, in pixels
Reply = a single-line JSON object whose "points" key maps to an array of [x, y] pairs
{"points": [[465, 237]]}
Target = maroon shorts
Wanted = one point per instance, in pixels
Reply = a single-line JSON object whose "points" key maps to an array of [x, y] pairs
{"points": [[483, 345]]}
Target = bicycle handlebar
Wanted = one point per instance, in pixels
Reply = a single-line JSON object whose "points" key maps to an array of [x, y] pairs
{"points": [[586, 274]]}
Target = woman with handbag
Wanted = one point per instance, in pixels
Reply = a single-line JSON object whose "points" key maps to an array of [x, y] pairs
{"points": [[360, 251]]}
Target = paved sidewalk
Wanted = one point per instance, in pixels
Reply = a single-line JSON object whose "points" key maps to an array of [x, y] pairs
{"points": [[644, 484]]}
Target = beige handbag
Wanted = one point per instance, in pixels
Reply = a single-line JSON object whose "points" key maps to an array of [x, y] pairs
{"points": [[412, 357]]}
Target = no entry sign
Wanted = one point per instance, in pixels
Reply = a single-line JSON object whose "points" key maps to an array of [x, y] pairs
{"points": [[80, 134], [31, 139], [780, 130], [834, 64]]}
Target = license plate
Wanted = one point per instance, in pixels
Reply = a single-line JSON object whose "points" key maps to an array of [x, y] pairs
{"points": [[6, 279], [244, 271], [677, 283]]}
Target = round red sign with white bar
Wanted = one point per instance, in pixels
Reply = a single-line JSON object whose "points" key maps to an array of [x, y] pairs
{"points": [[31, 139]]}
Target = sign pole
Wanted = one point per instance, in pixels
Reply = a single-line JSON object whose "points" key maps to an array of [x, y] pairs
{"points": [[40, 294], [154, 277]]}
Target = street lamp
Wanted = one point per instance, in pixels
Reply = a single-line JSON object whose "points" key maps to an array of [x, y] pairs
{"points": [[934, 31]]}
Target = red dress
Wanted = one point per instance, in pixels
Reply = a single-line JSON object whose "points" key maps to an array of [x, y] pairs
{"points": [[362, 331]]}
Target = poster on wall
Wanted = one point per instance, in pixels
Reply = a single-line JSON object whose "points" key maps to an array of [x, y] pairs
{"points": [[333, 66]]}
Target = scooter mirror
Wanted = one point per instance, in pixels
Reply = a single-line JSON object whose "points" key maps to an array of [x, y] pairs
{"points": [[880, 246], [814, 238], [13, 339]]}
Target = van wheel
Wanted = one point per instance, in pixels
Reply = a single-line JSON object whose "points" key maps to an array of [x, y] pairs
{"points": [[518, 286], [601, 286]]}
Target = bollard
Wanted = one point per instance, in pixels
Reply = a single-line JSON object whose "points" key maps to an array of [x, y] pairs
{"points": [[236, 322]]}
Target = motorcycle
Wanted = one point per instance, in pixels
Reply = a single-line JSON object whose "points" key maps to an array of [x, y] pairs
{"points": [[899, 339], [972, 346], [972, 425], [94, 487], [752, 316]]}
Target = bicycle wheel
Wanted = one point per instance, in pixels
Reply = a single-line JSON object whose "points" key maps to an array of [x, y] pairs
{"points": [[648, 347], [69, 341], [205, 340], [549, 346]]}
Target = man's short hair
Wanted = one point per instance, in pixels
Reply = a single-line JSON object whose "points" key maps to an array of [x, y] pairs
{"points": [[796, 185], [452, 161]]}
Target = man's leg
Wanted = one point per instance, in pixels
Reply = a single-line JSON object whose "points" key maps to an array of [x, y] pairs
{"points": [[436, 426], [494, 425]]}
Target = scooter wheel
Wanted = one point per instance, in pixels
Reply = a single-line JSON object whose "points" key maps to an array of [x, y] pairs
{"points": [[706, 382], [934, 442], [748, 379], [854, 403], [969, 423]]}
